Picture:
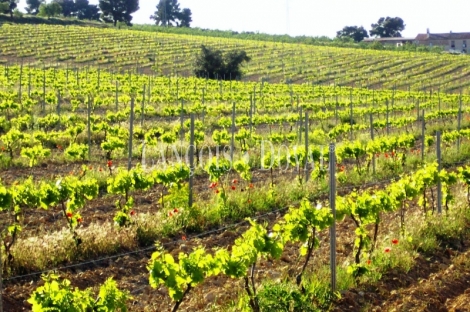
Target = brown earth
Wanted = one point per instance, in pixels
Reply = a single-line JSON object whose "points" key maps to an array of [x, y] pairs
{"points": [[131, 274]]}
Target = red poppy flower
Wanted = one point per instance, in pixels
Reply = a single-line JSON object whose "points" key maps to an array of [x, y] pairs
{"points": [[369, 262], [183, 237], [212, 185], [109, 164], [233, 187], [234, 181], [386, 155], [132, 212], [387, 249], [251, 185], [69, 215], [393, 154], [175, 210], [395, 241], [217, 191], [170, 214], [101, 169], [90, 168], [79, 220], [249, 201]]}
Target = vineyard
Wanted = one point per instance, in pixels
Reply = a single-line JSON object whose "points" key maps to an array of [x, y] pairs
{"points": [[127, 185], [167, 54]]}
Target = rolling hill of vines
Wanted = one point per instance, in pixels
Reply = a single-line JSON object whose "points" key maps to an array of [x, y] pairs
{"points": [[172, 54], [92, 186]]}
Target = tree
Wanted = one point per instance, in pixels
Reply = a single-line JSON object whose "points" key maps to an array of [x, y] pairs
{"points": [[50, 9], [68, 7], [168, 13], [185, 18], [212, 64], [8, 6], [118, 10], [233, 61], [33, 6], [356, 33], [85, 10], [388, 27], [209, 63]]}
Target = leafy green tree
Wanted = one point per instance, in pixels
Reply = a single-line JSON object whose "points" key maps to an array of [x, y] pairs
{"points": [[388, 27], [233, 61], [50, 9], [354, 32], [168, 13], [213, 64], [68, 7], [185, 18], [8, 6], [118, 10], [85, 10], [209, 63], [4, 7], [33, 6]]}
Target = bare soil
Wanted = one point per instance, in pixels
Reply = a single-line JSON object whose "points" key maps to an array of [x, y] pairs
{"points": [[436, 283]]}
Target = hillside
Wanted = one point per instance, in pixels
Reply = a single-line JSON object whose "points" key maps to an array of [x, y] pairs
{"points": [[172, 54], [114, 165]]}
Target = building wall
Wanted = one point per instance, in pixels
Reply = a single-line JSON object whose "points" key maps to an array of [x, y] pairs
{"points": [[459, 44], [391, 42]]}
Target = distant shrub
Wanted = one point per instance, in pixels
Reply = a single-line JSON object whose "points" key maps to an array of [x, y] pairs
{"points": [[212, 64], [17, 13]]}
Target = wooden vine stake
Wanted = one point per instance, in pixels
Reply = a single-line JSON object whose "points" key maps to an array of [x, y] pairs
{"points": [[306, 146], [423, 136], [232, 141], [89, 126], [131, 134], [439, 167], [191, 161], [332, 182]]}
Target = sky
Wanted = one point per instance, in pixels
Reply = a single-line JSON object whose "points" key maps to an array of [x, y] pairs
{"points": [[315, 17]]}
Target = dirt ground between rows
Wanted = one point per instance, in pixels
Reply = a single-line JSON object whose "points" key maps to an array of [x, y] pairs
{"points": [[392, 293]]}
